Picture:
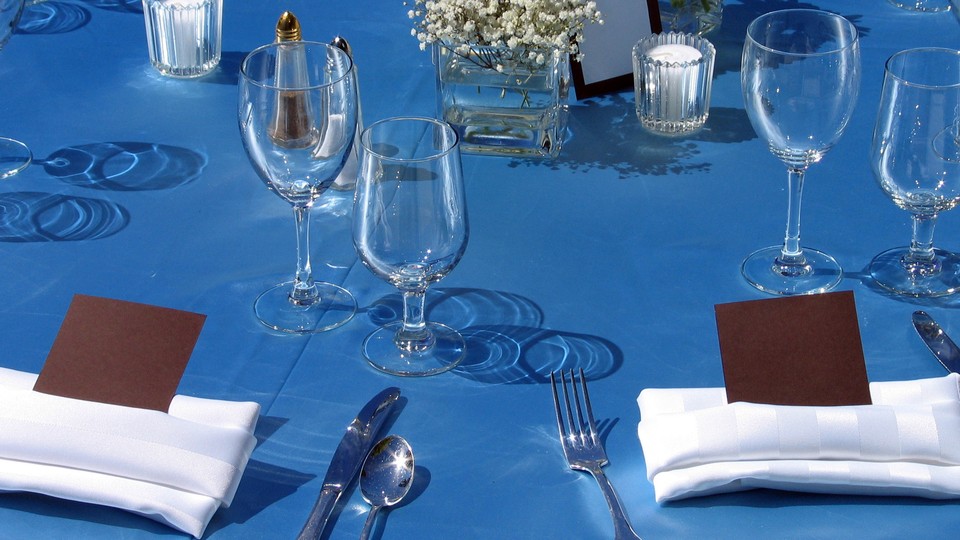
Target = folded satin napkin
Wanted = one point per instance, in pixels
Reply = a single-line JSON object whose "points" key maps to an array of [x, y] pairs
{"points": [[906, 443], [177, 468]]}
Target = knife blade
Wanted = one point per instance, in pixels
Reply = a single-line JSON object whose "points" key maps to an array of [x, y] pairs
{"points": [[937, 341], [348, 458]]}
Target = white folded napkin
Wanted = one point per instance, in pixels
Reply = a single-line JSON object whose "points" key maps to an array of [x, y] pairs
{"points": [[906, 443], [177, 468]]}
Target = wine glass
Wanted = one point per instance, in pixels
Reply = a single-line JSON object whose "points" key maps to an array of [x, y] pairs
{"points": [[800, 76], [916, 160], [297, 115], [410, 229], [14, 155]]}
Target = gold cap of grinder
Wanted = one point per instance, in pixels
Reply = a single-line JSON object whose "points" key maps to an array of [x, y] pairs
{"points": [[288, 28]]}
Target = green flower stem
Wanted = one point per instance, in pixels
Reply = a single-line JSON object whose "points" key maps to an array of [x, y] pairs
{"points": [[680, 4]]}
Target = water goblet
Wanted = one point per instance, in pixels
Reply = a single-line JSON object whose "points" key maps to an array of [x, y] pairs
{"points": [[297, 116], [410, 229], [916, 160], [800, 76], [14, 155]]}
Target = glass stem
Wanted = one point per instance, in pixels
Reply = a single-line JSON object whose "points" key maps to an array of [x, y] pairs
{"points": [[921, 259], [921, 246], [304, 292], [414, 336], [792, 253]]}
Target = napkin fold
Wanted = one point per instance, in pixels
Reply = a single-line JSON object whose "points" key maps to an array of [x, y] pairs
{"points": [[177, 468], [906, 443]]}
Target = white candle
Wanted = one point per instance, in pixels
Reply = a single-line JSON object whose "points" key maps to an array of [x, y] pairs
{"points": [[676, 85], [674, 53]]}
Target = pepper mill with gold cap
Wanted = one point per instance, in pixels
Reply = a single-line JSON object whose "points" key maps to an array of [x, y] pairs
{"points": [[292, 121]]}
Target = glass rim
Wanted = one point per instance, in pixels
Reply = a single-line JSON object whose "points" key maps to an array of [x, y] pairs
{"points": [[855, 33], [706, 49], [907, 52], [454, 140], [276, 44]]}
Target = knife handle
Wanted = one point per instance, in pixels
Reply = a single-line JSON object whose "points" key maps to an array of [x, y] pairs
{"points": [[320, 513]]}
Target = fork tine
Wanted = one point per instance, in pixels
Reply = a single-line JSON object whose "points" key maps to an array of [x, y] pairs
{"points": [[594, 433], [581, 432], [575, 430], [556, 405]]}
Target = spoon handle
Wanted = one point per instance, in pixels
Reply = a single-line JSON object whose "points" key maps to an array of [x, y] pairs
{"points": [[368, 525]]}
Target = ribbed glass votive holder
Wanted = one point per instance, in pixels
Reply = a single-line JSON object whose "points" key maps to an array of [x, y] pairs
{"points": [[672, 76]]}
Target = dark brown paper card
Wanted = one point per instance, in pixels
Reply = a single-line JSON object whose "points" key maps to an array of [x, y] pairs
{"points": [[118, 352], [802, 350]]}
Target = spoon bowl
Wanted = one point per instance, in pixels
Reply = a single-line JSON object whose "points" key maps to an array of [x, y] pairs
{"points": [[386, 476]]}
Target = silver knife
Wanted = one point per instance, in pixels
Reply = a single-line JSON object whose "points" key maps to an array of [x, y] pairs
{"points": [[937, 340], [348, 458]]}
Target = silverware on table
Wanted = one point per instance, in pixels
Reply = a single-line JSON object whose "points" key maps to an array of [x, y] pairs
{"points": [[386, 477], [582, 446], [348, 458], [937, 341]]}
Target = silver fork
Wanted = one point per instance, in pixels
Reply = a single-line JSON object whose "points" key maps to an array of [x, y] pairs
{"points": [[582, 446]]}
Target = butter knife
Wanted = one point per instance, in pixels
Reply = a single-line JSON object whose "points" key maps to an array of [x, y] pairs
{"points": [[347, 459], [937, 341]]}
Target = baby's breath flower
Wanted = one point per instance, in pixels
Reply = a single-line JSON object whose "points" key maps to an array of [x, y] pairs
{"points": [[532, 28]]}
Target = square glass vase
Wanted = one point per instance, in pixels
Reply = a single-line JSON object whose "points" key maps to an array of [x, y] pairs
{"points": [[517, 110]]}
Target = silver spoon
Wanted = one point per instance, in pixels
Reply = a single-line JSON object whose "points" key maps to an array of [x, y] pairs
{"points": [[386, 476]]}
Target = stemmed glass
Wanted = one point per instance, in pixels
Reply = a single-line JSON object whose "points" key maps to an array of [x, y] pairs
{"points": [[14, 155], [297, 115], [410, 229], [800, 76], [916, 161]]}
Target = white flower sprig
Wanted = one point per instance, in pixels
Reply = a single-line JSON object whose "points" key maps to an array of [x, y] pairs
{"points": [[531, 29]]}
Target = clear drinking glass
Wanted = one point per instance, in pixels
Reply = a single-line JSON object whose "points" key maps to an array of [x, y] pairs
{"points": [[14, 155], [800, 76], [916, 161], [297, 115], [410, 229]]}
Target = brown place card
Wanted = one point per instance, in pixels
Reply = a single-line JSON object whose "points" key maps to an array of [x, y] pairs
{"points": [[118, 352], [801, 350]]}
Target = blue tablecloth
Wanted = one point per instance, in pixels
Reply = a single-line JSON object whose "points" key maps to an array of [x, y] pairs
{"points": [[610, 257]]}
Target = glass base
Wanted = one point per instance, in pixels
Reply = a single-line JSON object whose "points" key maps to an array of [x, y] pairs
{"points": [[14, 157], [940, 278], [335, 307], [381, 351], [818, 274], [673, 127]]}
